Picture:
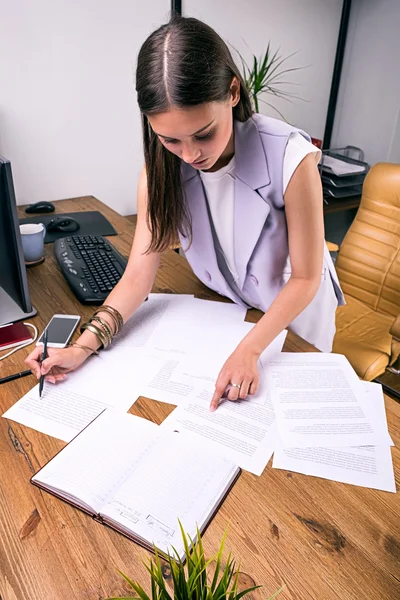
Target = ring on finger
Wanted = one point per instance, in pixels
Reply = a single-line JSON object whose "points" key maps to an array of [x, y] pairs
{"points": [[236, 385]]}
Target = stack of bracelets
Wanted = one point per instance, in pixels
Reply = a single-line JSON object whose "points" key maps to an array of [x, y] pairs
{"points": [[102, 328]]}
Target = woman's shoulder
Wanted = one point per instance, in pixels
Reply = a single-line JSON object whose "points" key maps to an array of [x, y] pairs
{"points": [[275, 127]]}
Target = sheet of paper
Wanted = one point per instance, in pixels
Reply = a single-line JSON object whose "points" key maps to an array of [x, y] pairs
{"points": [[244, 430], [156, 382], [366, 466], [215, 310], [209, 360], [59, 413], [184, 327], [139, 328], [166, 316], [66, 408], [163, 377], [374, 405], [182, 354], [341, 167], [318, 402]]}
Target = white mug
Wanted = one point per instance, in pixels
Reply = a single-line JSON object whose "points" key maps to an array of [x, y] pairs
{"points": [[32, 235]]}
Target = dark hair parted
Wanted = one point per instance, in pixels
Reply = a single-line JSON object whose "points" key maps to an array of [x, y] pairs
{"points": [[183, 63]]}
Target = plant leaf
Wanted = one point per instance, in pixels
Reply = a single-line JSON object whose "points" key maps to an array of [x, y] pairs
{"points": [[137, 587], [247, 591], [274, 107], [219, 558], [276, 593]]}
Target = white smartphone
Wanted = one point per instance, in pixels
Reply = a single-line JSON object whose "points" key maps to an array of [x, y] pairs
{"points": [[60, 330]]}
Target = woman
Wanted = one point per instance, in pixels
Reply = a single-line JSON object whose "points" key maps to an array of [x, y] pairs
{"points": [[242, 191]]}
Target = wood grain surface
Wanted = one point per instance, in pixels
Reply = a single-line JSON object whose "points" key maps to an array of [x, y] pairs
{"points": [[323, 540]]}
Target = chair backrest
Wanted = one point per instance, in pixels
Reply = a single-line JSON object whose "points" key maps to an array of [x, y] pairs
{"points": [[368, 264]]}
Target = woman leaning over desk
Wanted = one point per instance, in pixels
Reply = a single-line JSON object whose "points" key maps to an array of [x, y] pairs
{"points": [[242, 191]]}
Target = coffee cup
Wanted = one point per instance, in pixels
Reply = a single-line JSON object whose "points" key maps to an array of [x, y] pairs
{"points": [[32, 235]]}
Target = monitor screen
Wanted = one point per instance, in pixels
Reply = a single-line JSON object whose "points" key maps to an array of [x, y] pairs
{"points": [[15, 302]]}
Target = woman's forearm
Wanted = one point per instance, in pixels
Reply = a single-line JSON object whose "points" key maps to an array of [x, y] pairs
{"points": [[129, 293], [127, 296], [294, 297]]}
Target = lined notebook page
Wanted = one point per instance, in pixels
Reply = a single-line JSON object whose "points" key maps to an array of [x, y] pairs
{"points": [[100, 458], [178, 478]]}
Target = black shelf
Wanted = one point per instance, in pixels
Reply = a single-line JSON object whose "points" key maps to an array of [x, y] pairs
{"points": [[339, 204]]}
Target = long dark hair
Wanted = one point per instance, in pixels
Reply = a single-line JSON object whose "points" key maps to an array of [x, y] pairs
{"points": [[183, 63]]}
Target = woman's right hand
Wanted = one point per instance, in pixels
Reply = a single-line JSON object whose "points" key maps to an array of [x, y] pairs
{"points": [[59, 362]]}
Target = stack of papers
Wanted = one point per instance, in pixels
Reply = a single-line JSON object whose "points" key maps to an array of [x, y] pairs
{"points": [[329, 423], [341, 167], [311, 411]]}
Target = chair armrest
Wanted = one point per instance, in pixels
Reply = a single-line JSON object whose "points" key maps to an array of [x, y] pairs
{"points": [[395, 328], [332, 247]]}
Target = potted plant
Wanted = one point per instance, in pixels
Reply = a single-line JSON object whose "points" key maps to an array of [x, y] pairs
{"points": [[267, 76], [192, 580]]}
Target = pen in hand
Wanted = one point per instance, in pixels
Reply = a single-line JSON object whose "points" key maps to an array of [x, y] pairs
{"points": [[44, 355]]}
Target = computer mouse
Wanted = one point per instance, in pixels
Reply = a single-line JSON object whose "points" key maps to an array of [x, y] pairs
{"points": [[40, 207], [65, 224]]}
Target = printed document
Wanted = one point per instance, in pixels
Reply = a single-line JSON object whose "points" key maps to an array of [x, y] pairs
{"points": [[318, 402], [66, 408], [172, 374], [170, 369], [367, 466], [244, 430]]}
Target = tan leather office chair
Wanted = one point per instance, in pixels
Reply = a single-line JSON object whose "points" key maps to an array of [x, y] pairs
{"points": [[368, 266]]}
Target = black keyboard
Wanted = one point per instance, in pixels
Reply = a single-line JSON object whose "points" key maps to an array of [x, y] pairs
{"points": [[91, 266]]}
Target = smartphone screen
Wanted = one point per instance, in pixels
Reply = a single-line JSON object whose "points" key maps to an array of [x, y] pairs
{"points": [[60, 330]]}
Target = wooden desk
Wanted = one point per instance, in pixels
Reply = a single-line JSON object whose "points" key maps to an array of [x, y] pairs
{"points": [[324, 540]]}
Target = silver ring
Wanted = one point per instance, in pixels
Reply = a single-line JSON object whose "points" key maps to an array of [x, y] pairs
{"points": [[236, 385]]}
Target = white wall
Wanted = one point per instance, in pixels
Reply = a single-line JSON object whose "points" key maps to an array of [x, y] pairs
{"points": [[69, 122], [368, 110], [68, 116], [308, 27]]}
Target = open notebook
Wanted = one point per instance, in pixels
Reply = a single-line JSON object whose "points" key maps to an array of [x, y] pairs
{"points": [[135, 477]]}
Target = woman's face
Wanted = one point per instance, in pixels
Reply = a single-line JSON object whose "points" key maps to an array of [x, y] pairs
{"points": [[201, 135]]}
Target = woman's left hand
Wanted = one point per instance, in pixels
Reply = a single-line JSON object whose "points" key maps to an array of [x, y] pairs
{"points": [[239, 375]]}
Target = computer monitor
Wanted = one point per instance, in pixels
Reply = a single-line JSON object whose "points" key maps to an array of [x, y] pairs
{"points": [[15, 303]]}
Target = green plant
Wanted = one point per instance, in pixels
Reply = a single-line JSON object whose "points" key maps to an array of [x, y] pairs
{"points": [[265, 77], [191, 580]]}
